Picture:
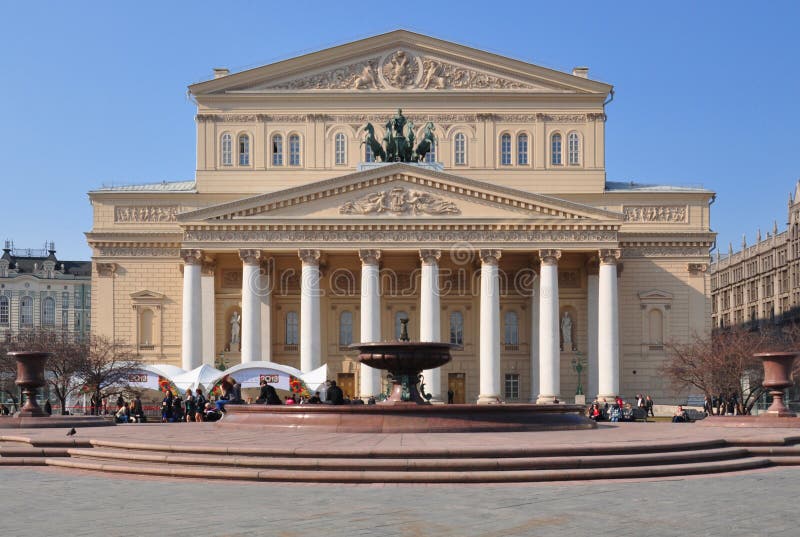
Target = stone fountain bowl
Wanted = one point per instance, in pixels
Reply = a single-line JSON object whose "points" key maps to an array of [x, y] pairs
{"points": [[404, 356]]}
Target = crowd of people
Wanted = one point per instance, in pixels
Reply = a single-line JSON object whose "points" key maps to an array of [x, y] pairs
{"points": [[619, 410]]}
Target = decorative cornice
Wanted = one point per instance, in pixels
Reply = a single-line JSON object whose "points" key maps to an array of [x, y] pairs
{"points": [[191, 256], [430, 256], [137, 251], [549, 256], [309, 256], [490, 256], [250, 256], [369, 256], [373, 234]]}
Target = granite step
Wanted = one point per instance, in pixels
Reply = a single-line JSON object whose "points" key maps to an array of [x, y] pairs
{"points": [[454, 463], [382, 476]]}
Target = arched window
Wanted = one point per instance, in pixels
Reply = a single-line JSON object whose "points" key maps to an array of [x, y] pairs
{"points": [[460, 149], [49, 311], [522, 149], [574, 147], [26, 311], [345, 329], [430, 156], [227, 150], [340, 149], [505, 150], [244, 150], [555, 149], [656, 319], [511, 329], [146, 325], [5, 315], [457, 328], [369, 156], [277, 150], [398, 326], [291, 328], [294, 150]]}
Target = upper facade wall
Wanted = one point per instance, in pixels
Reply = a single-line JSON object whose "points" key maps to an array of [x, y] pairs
{"points": [[496, 119]]}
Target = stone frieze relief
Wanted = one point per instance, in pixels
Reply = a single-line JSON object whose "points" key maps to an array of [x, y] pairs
{"points": [[398, 201], [145, 214], [670, 214]]}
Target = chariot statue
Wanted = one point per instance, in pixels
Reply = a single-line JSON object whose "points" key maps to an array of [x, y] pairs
{"points": [[397, 144]]}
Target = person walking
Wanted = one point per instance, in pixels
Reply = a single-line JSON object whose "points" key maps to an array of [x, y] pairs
{"points": [[648, 406]]}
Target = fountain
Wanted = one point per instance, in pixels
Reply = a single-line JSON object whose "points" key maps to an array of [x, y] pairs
{"points": [[407, 408]]}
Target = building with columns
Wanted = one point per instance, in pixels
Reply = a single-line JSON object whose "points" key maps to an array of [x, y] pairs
{"points": [[291, 242]]}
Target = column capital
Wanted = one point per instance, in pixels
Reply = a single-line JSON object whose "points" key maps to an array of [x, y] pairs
{"points": [[490, 256], [549, 257], [209, 266], [609, 256], [105, 270], [309, 257], [191, 256], [250, 257], [430, 256], [369, 257]]}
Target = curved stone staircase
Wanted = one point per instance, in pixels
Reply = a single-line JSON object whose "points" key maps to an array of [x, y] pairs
{"points": [[426, 465]]}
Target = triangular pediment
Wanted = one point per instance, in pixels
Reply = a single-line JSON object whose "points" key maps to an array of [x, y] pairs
{"points": [[146, 295], [402, 192], [655, 295], [400, 61]]}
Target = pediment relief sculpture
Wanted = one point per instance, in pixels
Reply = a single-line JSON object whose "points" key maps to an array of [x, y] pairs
{"points": [[399, 201], [401, 69]]}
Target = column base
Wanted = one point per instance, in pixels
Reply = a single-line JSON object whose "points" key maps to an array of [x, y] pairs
{"points": [[545, 399], [489, 400], [609, 398]]}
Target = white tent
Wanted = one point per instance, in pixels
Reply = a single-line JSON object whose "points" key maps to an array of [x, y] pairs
{"points": [[203, 376], [167, 370], [250, 374]]}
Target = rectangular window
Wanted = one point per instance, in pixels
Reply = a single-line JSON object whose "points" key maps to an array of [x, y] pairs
{"points": [[5, 318], [461, 150], [505, 150], [522, 150], [78, 298], [294, 151], [512, 386], [340, 149]]}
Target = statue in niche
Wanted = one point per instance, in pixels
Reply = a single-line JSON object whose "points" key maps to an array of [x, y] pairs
{"points": [[236, 324], [566, 333]]}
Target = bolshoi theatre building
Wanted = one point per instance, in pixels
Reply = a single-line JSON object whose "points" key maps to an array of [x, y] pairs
{"points": [[296, 239]]}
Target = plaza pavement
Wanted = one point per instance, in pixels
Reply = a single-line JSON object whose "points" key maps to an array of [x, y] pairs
{"points": [[50, 501]]}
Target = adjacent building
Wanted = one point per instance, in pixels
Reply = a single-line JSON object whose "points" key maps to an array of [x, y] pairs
{"points": [[759, 283], [39, 291], [291, 242]]}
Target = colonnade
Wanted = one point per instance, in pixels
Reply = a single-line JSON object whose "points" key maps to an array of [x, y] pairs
{"points": [[603, 329]]}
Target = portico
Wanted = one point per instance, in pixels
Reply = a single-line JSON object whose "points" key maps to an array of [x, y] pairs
{"points": [[368, 263]]}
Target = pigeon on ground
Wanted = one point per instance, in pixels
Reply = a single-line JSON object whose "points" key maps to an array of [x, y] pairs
{"points": [[72, 432]]}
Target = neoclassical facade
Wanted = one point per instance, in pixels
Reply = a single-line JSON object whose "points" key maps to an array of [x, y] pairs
{"points": [[760, 282], [291, 242]]}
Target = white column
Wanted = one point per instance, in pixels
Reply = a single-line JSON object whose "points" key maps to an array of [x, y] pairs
{"points": [[430, 328], [267, 273], [251, 305], [191, 342], [591, 365], [549, 343], [608, 326], [490, 328], [535, 340], [310, 348], [370, 380], [207, 293]]}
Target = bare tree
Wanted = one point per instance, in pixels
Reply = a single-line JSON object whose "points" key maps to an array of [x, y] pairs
{"points": [[723, 363], [107, 364], [8, 372]]}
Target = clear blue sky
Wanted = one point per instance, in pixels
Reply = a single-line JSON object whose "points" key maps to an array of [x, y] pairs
{"points": [[95, 92]]}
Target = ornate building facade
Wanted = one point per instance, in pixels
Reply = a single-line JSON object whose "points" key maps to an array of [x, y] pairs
{"points": [[291, 242], [40, 292], [759, 283]]}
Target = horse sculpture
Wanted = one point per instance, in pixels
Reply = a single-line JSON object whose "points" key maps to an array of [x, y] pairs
{"points": [[374, 144], [388, 140], [428, 139]]}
